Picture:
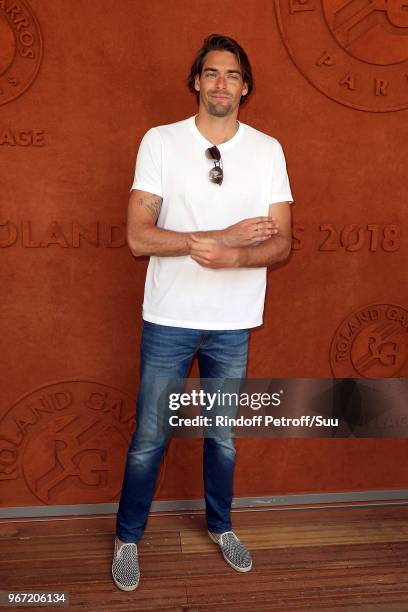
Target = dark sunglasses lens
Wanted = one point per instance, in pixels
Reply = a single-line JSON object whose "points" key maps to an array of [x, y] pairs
{"points": [[214, 153]]}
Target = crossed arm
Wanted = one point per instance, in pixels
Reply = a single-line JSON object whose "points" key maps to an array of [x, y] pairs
{"points": [[254, 242]]}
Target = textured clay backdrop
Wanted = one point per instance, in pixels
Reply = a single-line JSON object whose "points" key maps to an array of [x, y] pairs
{"points": [[80, 83]]}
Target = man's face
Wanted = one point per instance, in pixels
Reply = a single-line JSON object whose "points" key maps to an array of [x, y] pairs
{"points": [[220, 84]]}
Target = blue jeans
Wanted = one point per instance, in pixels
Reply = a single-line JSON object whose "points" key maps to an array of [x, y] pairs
{"points": [[168, 352]]}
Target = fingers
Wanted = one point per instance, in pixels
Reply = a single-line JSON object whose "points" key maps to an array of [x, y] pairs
{"points": [[267, 231], [263, 231], [262, 227], [268, 225], [259, 219]]}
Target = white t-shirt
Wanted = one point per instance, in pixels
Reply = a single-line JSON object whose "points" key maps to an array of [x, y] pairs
{"points": [[171, 163]]}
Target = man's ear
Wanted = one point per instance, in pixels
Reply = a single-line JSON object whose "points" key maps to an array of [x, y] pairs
{"points": [[197, 82], [244, 89]]}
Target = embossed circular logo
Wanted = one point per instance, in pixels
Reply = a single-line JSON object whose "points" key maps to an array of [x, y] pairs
{"points": [[20, 48], [68, 442], [353, 51], [372, 343]]}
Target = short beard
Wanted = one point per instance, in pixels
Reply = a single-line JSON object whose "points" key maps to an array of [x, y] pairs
{"points": [[218, 110]]}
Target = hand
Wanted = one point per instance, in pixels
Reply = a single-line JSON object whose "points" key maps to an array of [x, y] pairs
{"points": [[249, 232], [211, 253]]}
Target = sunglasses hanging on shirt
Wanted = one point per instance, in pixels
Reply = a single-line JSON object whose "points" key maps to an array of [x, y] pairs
{"points": [[216, 174]]}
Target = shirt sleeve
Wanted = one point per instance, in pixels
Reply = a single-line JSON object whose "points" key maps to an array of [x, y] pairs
{"points": [[148, 171], [279, 186]]}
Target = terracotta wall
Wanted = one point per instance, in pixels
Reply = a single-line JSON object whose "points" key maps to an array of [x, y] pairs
{"points": [[80, 83]]}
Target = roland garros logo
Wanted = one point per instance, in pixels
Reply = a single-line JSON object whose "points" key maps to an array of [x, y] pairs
{"points": [[20, 48], [353, 51], [65, 443], [372, 343]]}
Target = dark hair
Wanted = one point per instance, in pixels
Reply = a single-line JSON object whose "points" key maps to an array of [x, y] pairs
{"points": [[217, 42]]}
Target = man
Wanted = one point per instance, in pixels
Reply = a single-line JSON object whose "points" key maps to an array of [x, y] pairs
{"points": [[210, 206]]}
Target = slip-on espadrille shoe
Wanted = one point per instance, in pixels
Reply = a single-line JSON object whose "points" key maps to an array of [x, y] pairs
{"points": [[125, 566], [233, 551]]}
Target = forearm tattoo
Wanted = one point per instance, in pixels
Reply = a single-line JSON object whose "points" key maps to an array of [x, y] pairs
{"points": [[152, 204]]}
